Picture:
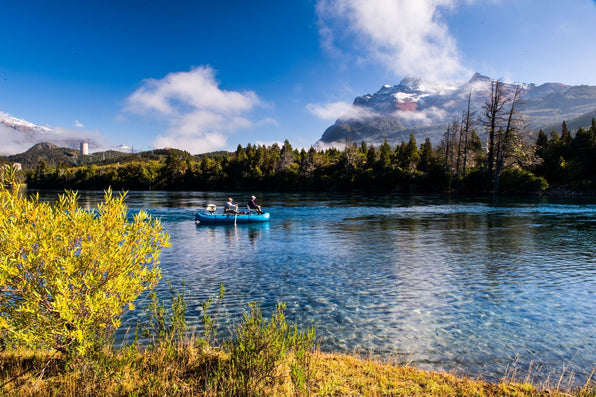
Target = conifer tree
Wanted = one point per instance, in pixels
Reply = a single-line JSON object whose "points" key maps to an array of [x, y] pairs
{"points": [[426, 156], [565, 134]]}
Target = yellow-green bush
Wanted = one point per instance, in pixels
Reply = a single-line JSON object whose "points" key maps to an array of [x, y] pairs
{"points": [[68, 274]]}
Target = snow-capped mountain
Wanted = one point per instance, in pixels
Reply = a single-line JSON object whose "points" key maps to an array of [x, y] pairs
{"points": [[425, 108], [18, 135], [23, 126]]}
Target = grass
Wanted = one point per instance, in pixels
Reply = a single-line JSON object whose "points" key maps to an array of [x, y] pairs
{"points": [[195, 369]]}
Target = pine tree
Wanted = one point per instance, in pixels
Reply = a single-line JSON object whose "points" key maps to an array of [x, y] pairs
{"points": [[565, 134], [426, 156]]}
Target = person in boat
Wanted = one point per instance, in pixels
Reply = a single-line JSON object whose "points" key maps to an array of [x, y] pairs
{"points": [[230, 208], [252, 204]]}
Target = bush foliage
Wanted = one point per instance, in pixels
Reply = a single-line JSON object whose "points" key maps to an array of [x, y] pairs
{"points": [[68, 274]]}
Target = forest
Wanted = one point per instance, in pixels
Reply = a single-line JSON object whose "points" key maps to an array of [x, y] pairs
{"points": [[566, 161], [489, 153]]}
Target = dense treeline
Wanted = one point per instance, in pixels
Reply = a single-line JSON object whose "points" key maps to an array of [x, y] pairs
{"points": [[459, 164], [568, 160], [406, 167]]}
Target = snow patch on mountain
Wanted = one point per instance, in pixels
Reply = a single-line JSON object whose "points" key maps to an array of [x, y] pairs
{"points": [[424, 108], [18, 135], [22, 125]]}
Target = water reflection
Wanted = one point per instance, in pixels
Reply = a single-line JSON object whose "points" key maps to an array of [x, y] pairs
{"points": [[444, 283], [234, 236]]}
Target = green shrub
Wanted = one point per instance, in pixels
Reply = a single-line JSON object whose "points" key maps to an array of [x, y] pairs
{"points": [[165, 327], [258, 349], [515, 180], [209, 318]]}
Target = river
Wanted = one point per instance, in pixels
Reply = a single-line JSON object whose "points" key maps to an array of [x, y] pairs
{"points": [[484, 287]]}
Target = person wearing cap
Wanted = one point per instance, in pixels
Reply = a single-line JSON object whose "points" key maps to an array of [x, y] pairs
{"points": [[252, 204]]}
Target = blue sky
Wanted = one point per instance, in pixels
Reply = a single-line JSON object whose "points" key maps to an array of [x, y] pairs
{"points": [[207, 75]]}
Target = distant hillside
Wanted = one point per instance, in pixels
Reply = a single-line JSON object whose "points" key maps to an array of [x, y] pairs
{"points": [[54, 155], [572, 124], [422, 108], [48, 152]]}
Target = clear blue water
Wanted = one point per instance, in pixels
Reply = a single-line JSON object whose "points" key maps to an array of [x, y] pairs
{"points": [[481, 287]]}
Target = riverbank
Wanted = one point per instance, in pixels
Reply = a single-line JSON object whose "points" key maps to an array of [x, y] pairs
{"points": [[192, 371]]}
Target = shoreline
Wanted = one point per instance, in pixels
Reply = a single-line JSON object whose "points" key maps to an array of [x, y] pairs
{"points": [[183, 370]]}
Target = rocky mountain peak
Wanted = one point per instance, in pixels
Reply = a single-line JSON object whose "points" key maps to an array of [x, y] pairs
{"points": [[424, 108], [477, 77], [410, 84]]}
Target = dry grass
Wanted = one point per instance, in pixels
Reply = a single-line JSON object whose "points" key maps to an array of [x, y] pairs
{"points": [[187, 370]]}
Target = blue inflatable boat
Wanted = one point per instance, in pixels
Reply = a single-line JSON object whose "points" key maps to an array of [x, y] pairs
{"points": [[208, 216]]}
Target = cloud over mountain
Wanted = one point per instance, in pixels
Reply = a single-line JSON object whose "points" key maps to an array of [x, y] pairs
{"points": [[199, 113], [18, 135], [328, 111], [424, 109], [407, 37]]}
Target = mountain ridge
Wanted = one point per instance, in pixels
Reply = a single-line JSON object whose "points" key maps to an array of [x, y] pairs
{"points": [[418, 107]]}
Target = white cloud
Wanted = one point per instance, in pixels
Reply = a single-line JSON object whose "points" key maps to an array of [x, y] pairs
{"points": [[72, 138], [329, 111], [13, 142], [267, 121], [18, 135], [359, 113], [340, 110], [78, 124], [407, 37], [199, 113], [194, 144], [428, 116]]}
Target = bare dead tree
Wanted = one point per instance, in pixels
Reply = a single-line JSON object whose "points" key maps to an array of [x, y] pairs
{"points": [[453, 153], [445, 144], [460, 149], [351, 153], [449, 144], [492, 120], [467, 122], [507, 137]]}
